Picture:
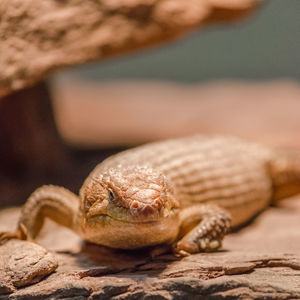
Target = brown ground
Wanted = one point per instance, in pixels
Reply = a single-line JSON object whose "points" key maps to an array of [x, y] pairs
{"points": [[260, 261]]}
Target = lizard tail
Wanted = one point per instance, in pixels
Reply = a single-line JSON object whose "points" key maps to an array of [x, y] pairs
{"points": [[285, 173]]}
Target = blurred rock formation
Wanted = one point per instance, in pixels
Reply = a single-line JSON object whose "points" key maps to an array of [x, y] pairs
{"points": [[40, 37]]}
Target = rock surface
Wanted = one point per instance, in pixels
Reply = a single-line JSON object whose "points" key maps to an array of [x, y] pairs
{"points": [[23, 263], [261, 261], [38, 37]]}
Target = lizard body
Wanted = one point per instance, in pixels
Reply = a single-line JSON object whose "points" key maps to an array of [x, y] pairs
{"points": [[186, 192]]}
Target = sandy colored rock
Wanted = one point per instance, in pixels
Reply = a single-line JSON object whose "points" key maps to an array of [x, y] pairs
{"points": [[39, 37], [6, 285], [260, 261], [23, 263]]}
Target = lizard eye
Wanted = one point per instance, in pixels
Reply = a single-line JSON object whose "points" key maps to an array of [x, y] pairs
{"points": [[112, 195]]}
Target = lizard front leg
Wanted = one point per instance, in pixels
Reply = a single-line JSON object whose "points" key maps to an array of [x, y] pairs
{"points": [[56, 203], [203, 228]]}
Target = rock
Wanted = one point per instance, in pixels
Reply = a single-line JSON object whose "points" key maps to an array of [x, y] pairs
{"points": [[23, 263], [6, 285], [260, 261], [38, 38]]}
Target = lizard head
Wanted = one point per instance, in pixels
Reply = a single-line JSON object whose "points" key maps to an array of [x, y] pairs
{"points": [[132, 203]]}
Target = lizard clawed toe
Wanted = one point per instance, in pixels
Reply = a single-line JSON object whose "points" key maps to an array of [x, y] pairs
{"points": [[207, 236]]}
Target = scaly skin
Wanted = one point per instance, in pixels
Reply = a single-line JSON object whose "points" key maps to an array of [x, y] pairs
{"points": [[183, 192]]}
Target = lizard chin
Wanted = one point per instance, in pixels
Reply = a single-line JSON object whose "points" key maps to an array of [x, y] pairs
{"points": [[130, 234], [136, 219]]}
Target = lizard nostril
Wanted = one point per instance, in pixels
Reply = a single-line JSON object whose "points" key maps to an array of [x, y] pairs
{"points": [[158, 203], [135, 204]]}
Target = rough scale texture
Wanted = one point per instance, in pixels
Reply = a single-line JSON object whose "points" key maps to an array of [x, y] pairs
{"points": [[205, 169], [39, 37]]}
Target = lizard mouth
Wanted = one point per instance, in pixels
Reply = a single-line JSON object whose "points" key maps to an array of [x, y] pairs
{"points": [[105, 218]]}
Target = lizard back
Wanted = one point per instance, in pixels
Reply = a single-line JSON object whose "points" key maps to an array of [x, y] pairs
{"points": [[222, 170]]}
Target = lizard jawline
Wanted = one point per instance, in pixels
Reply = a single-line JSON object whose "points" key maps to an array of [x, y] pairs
{"points": [[105, 218]]}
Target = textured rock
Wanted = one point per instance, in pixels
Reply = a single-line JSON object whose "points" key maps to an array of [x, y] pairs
{"points": [[260, 261], [23, 263], [38, 37]]}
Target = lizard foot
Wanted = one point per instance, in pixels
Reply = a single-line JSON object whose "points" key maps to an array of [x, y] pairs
{"points": [[207, 236], [20, 234]]}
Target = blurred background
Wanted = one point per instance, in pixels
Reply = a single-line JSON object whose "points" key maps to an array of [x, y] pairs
{"points": [[264, 46], [196, 84], [240, 79]]}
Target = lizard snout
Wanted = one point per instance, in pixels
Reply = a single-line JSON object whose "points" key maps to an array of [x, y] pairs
{"points": [[146, 211]]}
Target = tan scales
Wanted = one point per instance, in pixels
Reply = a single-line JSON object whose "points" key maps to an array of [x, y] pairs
{"points": [[184, 192]]}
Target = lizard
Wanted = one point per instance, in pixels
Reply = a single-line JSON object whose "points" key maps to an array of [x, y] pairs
{"points": [[186, 193]]}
